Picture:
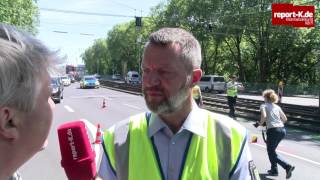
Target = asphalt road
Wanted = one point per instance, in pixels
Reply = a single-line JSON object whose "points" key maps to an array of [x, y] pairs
{"points": [[300, 148]]}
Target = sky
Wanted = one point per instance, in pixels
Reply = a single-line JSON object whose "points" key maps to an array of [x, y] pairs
{"points": [[80, 30]]}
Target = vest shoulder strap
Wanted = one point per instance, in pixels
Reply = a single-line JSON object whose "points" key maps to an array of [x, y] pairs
{"points": [[232, 138], [121, 145]]}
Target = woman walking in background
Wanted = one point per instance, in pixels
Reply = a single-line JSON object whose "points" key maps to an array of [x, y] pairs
{"points": [[280, 91], [274, 117]]}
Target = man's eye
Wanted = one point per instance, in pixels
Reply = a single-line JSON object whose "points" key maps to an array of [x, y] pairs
{"points": [[163, 72]]}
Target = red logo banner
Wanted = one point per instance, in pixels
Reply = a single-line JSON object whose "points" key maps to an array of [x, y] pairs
{"points": [[290, 15]]}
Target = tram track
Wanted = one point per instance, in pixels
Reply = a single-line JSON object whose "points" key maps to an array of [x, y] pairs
{"points": [[301, 117]]}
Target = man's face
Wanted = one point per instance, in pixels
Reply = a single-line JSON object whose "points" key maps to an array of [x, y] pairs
{"points": [[165, 81], [35, 125]]}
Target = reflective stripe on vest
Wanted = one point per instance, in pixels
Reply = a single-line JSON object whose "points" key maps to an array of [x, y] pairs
{"points": [[232, 91], [108, 136], [202, 162], [202, 159]]}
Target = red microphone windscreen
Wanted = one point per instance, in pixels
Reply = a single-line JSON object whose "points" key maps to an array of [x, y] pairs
{"points": [[78, 158]]}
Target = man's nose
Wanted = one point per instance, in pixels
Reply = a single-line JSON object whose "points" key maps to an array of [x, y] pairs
{"points": [[152, 79]]}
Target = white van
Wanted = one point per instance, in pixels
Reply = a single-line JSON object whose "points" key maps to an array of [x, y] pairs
{"points": [[133, 77], [209, 83]]}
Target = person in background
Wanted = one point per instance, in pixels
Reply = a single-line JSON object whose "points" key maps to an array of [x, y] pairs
{"points": [[280, 91], [274, 117], [177, 139], [232, 93], [196, 94], [25, 103]]}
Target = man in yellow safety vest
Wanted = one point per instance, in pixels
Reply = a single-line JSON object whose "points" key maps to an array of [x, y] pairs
{"points": [[177, 139], [232, 93]]}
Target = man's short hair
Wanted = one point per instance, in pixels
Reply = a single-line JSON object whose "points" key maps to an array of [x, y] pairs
{"points": [[190, 47], [23, 61]]}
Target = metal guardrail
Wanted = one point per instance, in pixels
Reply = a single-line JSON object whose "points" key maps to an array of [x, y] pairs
{"points": [[302, 117]]}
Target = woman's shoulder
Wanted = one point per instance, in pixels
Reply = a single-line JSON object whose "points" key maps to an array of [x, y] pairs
{"points": [[262, 106], [276, 106]]}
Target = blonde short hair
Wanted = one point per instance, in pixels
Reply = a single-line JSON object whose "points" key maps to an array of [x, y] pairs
{"points": [[270, 96]]}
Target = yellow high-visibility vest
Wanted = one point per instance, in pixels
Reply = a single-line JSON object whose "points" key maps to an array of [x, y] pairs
{"points": [[203, 157], [232, 91]]}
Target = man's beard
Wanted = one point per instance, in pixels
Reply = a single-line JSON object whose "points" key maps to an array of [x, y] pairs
{"points": [[171, 104]]}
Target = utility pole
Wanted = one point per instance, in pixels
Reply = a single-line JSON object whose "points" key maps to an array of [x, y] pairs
{"points": [[138, 40], [139, 52], [98, 62], [317, 66]]}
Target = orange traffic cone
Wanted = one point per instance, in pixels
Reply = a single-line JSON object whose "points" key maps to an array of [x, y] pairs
{"points": [[104, 103], [98, 136], [254, 139]]}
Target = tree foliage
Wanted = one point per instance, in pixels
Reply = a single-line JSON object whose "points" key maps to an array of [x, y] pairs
{"points": [[236, 37], [21, 13], [97, 58]]}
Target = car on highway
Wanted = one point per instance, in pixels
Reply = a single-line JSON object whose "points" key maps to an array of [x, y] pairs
{"points": [[66, 81], [72, 79], [89, 82], [97, 76], [56, 89]]}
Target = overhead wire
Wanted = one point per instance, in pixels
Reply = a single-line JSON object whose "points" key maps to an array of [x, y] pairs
{"points": [[130, 16], [126, 5], [85, 13]]}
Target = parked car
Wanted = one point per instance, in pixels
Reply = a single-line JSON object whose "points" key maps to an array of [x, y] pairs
{"points": [[97, 76], [209, 83], [66, 81], [56, 89], [89, 82], [132, 77]]}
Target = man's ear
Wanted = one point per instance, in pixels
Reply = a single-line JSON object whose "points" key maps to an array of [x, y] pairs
{"points": [[8, 126], [197, 73]]}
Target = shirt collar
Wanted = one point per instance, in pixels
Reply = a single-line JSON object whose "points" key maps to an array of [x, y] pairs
{"points": [[156, 124], [196, 122]]}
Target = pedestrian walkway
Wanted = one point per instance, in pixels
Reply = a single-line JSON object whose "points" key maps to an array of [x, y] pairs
{"points": [[286, 100]]}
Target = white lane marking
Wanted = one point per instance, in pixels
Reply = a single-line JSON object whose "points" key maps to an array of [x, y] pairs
{"points": [[97, 147], [134, 107], [91, 96], [292, 155], [68, 108]]}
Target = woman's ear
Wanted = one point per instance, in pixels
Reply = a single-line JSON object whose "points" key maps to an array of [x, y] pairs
{"points": [[197, 73], [8, 128]]}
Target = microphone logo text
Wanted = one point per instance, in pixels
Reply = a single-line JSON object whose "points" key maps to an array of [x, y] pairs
{"points": [[72, 145]]}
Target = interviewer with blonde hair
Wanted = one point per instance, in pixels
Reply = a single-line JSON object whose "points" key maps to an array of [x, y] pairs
{"points": [[275, 118]]}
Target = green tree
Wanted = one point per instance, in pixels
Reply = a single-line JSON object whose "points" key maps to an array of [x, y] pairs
{"points": [[21, 13], [236, 37], [97, 58], [122, 46]]}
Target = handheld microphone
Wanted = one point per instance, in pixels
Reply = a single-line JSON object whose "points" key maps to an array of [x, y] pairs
{"points": [[78, 158]]}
